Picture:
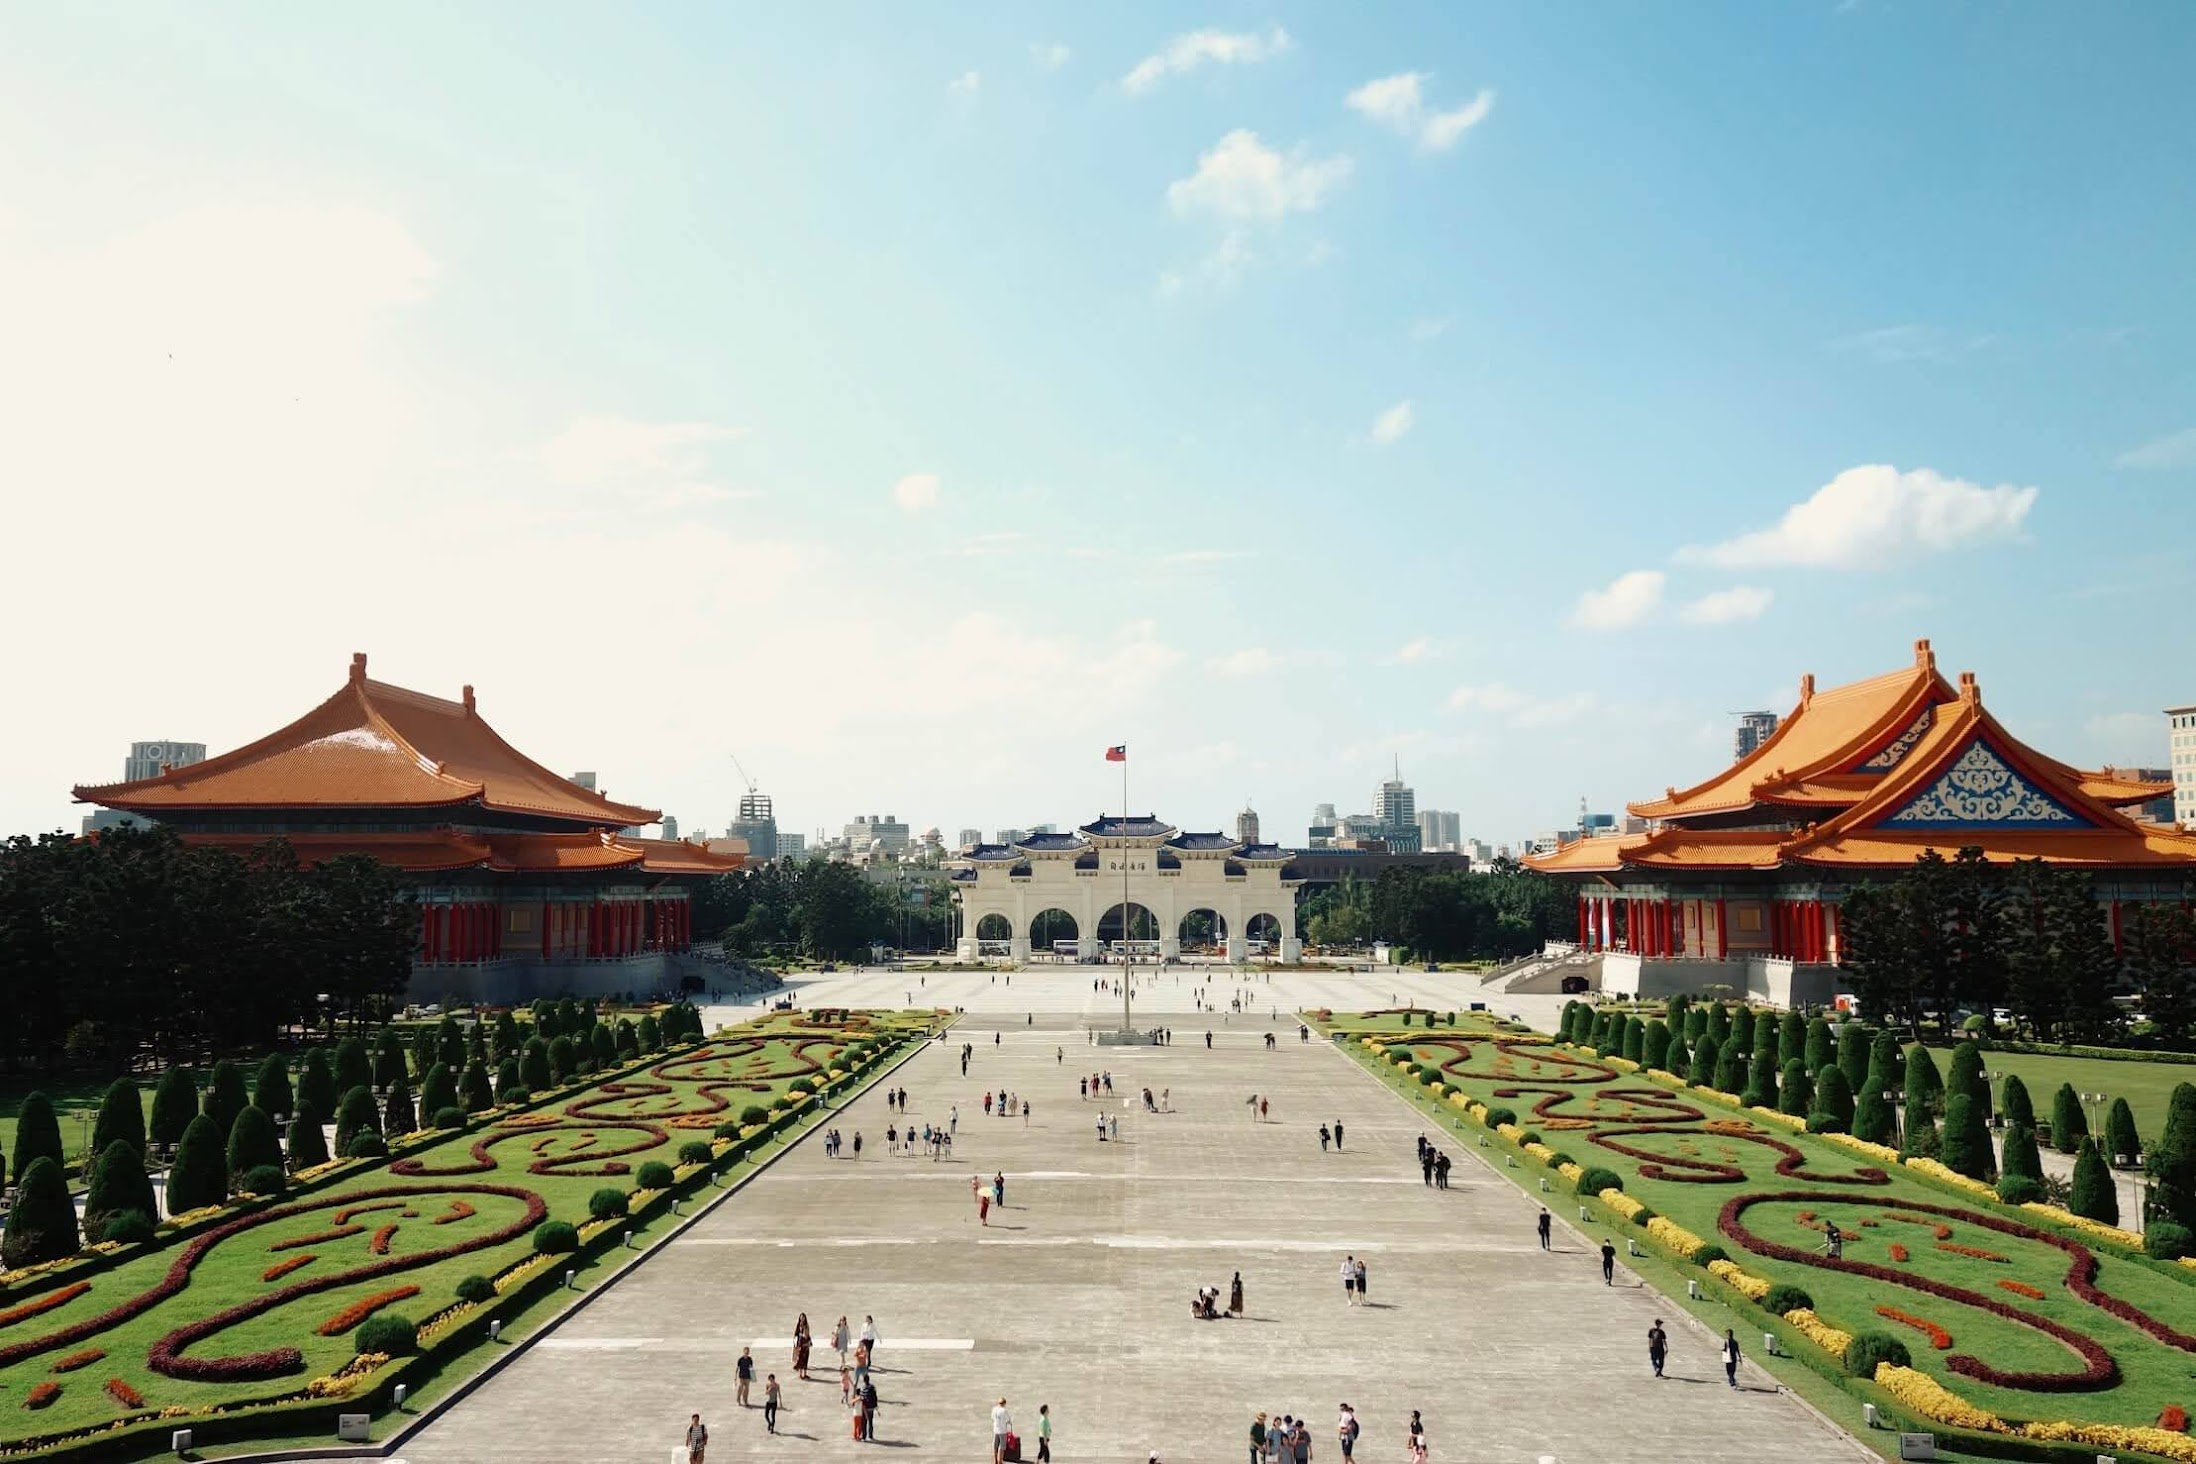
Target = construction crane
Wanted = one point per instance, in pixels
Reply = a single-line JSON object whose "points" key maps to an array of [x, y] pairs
{"points": [[750, 782]]}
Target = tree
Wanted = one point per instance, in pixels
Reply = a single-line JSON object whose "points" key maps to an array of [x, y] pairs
{"points": [[1742, 1029], [252, 1142], [1853, 1054], [1967, 1139], [1873, 1119], [2095, 1197], [174, 1105], [199, 1177], [308, 1146], [1761, 1082], [2171, 1162], [2060, 967], [271, 1090], [1678, 1059], [1719, 1024], [118, 1183], [510, 1085], [628, 1040], [2121, 1141], [437, 1091], [604, 1046], [1730, 1068], [534, 1067], [37, 1135], [1704, 1063], [316, 1082], [2020, 1159], [651, 1034], [563, 1059], [42, 1225], [1654, 1043], [389, 1060], [1833, 1112], [426, 1048], [2069, 1126], [476, 1042], [353, 1067], [474, 1089], [2161, 964], [397, 1115], [2016, 1106], [449, 1043], [1966, 1076], [508, 1039], [225, 1097], [121, 1116], [356, 1112], [1796, 1094], [1791, 1039], [1924, 1091], [1821, 1046], [1696, 1025]]}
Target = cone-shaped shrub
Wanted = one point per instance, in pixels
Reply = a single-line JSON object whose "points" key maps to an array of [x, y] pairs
{"points": [[200, 1175], [2171, 1162], [1767, 1035], [118, 1183], [1654, 1043], [1673, 1011], [1761, 1082], [121, 1116], [1679, 1059], [2121, 1140], [509, 1084], [474, 1092], [1853, 1054], [476, 1043], [1703, 1070], [1873, 1117], [563, 1059], [650, 1033], [353, 1067], [1923, 1090], [316, 1081], [271, 1089], [1730, 1068], [545, 1019], [2094, 1195], [1822, 1048], [1967, 1139], [535, 1068], [1791, 1039], [450, 1043], [389, 1060], [1696, 1025], [1635, 1039], [1833, 1112], [226, 1096], [397, 1116], [1796, 1094], [357, 1112], [37, 1135], [628, 1040], [253, 1144], [1966, 1076], [1886, 1062], [438, 1090], [175, 1104], [603, 1043], [2020, 1159], [2069, 1126], [2015, 1105], [426, 1049], [308, 1145], [1742, 1031], [42, 1226], [1719, 1025]]}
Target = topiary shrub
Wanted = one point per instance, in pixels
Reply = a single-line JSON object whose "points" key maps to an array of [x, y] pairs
{"points": [[1593, 1180], [696, 1151], [1705, 1056], [478, 1290], [654, 1175], [1833, 1111], [1557, 1159], [2095, 1197], [1401, 1052], [199, 1176], [535, 1071], [356, 1114], [606, 1204], [1645, 1214], [308, 1146], [128, 1227], [37, 1134], [474, 1089], [449, 1118], [271, 1088], [118, 1184], [2121, 1140], [1784, 1297], [264, 1180], [1496, 1117], [174, 1105], [1870, 1350], [1707, 1253], [556, 1237], [366, 1144], [563, 1060], [438, 1090], [42, 1226], [389, 1334], [226, 1097], [1967, 1147], [2021, 1189], [2168, 1240], [754, 1113], [121, 1116], [253, 1144], [397, 1114], [2069, 1126], [1796, 1093], [729, 1129]]}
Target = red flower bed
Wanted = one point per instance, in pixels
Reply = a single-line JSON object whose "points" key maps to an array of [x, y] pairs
{"points": [[459, 1210], [2174, 1419], [281, 1269], [2098, 1369], [1900, 1252], [1938, 1337], [41, 1394], [76, 1360], [646, 1136], [1973, 1252], [379, 1245], [346, 1215], [59, 1296], [358, 1311], [318, 1237], [2021, 1288], [1790, 1161], [124, 1394]]}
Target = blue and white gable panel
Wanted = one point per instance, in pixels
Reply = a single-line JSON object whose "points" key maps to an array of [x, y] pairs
{"points": [[1982, 790]]}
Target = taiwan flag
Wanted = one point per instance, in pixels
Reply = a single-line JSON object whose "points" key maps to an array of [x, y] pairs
{"points": [[1118, 754]]}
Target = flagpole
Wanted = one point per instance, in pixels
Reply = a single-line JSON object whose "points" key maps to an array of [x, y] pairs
{"points": [[1128, 949]]}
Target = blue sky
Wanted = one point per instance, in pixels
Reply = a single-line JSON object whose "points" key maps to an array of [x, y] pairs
{"points": [[915, 411]]}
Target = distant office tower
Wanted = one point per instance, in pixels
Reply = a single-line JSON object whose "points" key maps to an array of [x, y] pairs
{"points": [[1754, 729], [1439, 830], [1395, 809], [792, 846], [2182, 745], [670, 827], [1010, 836], [585, 780], [887, 832], [1246, 825], [146, 760], [758, 824], [971, 837]]}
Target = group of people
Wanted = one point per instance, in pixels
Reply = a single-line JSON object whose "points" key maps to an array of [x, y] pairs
{"points": [[1432, 1163], [987, 1195], [835, 1143], [1206, 1308], [1331, 1135], [1353, 1281], [1004, 1107], [1658, 1352], [935, 1141], [1259, 1104], [1096, 1085], [1287, 1439]]}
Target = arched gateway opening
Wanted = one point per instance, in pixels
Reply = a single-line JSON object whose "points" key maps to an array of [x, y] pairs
{"points": [[1053, 932], [1143, 929], [1204, 932]]}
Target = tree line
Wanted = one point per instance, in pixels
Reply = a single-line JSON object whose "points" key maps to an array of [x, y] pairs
{"points": [[1445, 914], [133, 946], [1956, 934], [819, 909]]}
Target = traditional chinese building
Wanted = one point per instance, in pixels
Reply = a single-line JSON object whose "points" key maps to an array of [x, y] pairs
{"points": [[1141, 878], [1738, 880], [528, 884]]}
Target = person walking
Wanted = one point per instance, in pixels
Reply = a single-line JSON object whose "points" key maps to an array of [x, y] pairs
{"points": [[773, 1396], [842, 1338], [743, 1373], [1608, 1261], [1082, 1089], [1235, 1295], [1361, 1301], [1730, 1357], [1658, 1346], [1545, 1222], [869, 1336], [1326, 1138], [1349, 1280], [1418, 1436], [857, 1143], [1263, 1106], [1338, 1133], [1044, 1433], [1258, 1438], [1346, 1430], [1441, 1171], [697, 1439], [1426, 1163], [1002, 1424], [801, 1341], [869, 1410]]}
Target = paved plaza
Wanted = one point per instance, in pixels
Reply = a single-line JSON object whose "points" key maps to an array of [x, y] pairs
{"points": [[1078, 1293]]}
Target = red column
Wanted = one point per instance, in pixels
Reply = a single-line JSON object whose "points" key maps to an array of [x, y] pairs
{"points": [[1666, 917], [1723, 931], [1822, 932]]}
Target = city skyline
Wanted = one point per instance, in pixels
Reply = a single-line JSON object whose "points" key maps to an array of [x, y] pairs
{"points": [[979, 395]]}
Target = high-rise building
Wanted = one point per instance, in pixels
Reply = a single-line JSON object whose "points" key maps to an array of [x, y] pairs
{"points": [[1395, 808], [2181, 743], [1754, 729], [585, 780], [888, 833], [1246, 825], [970, 838], [670, 826], [1321, 833], [2158, 810], [792, 846], [758, 824], [146, 760], [1439, 830]]}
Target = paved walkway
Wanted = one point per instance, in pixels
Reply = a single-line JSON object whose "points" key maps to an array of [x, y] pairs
{"points": [[1078, 1293]]}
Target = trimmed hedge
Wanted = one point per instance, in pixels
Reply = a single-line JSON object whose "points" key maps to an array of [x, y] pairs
{"points": [[1869, 1350], [1594, 1180], [654, 1175], [388, 1333], [1784, 1297], [606, 1204]]}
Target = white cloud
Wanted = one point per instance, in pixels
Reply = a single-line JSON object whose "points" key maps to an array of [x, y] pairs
{"points": [[1049, 55], [967, 84], [1251, 661], [2174, 450], [1242, 178], [1398, 103], [659, 464], [1722, 607], [1894, 345], [1417, 649], [916, 492], [1521, 709], [1188, 52], [1391, 424], [1222, 269], [1867, 515], [1431, 328], [987, 546], [1629, 599]]}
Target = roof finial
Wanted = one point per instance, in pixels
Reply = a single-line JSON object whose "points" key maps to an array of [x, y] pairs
{"points": [[358, 667], [468, 699], [1807, 687], [1923, 656], [1970, 689]]}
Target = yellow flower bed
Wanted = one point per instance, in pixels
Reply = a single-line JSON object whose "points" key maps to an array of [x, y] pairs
{"points": [[1541, 1152], [1622, 1064], [307, 1176], [1620, 1202], [2189, 1261], [1570, 1172], [1477, 1110], [1819, 1332], [1511, 1132], [1666, 1076], [1786, 1120], [1754, 1287], [524, 1271], [1924, 1395], [443, 1322], [1460, 1100], [1675, 1236], [1881, 1153], [1437, 1089], [1947, 1175], [2162, 1442], [2090, 1227]]}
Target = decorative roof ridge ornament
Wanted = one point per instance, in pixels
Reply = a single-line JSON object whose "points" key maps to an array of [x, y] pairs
{"points": [[1970, 688], [1807, 688], [465, 699], [358, 668], [1924, 657]]}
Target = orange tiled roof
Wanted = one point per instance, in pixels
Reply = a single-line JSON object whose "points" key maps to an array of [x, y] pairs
{"points": [[1679, 848], [374, 745], [1588, 856], [679, 856], [552, 852], [418, 853]]}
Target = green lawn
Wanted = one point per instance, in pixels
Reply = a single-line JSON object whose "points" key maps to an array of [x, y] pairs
{"points": [[74, 1104], [1583, 1108], [477, 1188]]}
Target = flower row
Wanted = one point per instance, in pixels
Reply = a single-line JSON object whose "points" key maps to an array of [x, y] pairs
{"points": [[359, 1310], [1938, 1337]]}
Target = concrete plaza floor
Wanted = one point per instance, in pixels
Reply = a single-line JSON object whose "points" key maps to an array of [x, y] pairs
{"points": [[1078, 1292]]}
